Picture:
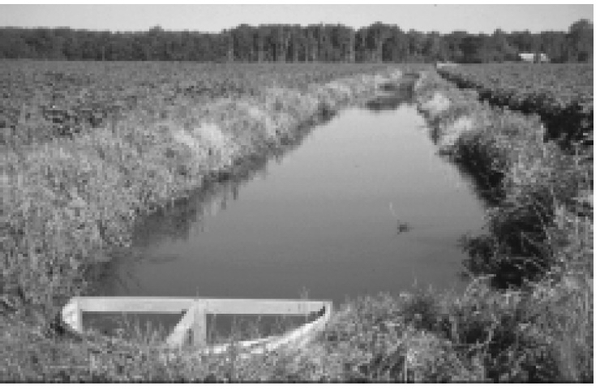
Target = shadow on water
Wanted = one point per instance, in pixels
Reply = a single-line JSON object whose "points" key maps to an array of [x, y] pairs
{"points": [[486, 188], [184, 217], [386, 102], [391, 97]]}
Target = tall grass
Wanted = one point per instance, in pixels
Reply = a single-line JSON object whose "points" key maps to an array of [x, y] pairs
{"points": [[539, 241], [526, 317]]}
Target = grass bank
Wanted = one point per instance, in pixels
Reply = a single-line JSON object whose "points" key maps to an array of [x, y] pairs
{"points": [[527, 315], [540, 241], [561, 94]]}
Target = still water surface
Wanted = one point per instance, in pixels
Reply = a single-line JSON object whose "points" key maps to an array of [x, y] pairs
{"points": [[364, 205]]}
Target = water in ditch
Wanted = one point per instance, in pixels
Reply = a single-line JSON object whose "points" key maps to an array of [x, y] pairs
{"points": [[364, 205]]}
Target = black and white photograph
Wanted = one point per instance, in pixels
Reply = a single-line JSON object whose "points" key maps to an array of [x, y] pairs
{"points": [[285, 193]]}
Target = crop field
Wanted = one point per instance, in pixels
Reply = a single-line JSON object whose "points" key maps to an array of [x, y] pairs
{"points": [[43, 100], [562, 94]]}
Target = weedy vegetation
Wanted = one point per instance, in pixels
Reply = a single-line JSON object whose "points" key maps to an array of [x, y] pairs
{"points": [[561, 94], [75, 186], [539, 247]]}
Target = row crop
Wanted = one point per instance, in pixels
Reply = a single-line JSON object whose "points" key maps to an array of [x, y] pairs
{"points": [[42, 100], [561, 94]]}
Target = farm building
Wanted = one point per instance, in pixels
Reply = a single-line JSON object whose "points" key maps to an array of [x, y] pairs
{"points": [[533, 57]]}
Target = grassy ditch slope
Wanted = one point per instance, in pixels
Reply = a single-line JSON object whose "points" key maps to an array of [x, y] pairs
{"points": [[561, 94], [527, 315], [538, 253], [86, 147]]}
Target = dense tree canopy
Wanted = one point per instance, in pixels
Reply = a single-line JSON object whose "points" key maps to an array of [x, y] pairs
{"points": [[293, 43]]}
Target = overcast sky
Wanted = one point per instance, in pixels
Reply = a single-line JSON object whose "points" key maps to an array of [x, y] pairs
{"points": [[212, 18]]}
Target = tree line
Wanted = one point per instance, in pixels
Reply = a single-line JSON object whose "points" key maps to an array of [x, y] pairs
{"points": [[293, 43]]}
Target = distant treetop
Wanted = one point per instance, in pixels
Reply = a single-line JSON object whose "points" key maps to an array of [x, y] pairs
{"points": [[293, 43]]}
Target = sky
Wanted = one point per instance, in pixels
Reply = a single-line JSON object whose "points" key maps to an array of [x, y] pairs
{"points": [[445, 18]]}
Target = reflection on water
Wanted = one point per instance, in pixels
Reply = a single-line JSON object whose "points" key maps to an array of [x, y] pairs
{"points": [[183, 219], [321, 221], [389, 101]]}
